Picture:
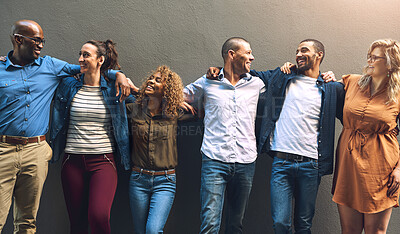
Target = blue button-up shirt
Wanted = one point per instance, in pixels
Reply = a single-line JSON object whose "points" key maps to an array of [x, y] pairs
{"points": [[271, 104], [26, 93]]}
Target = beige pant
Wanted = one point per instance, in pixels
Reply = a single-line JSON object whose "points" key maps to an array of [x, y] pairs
{"points": [[23, 170]]}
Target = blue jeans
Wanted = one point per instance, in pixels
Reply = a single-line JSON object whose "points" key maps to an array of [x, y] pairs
{"points": [[216, 178], [151, 199], [293, 179]]}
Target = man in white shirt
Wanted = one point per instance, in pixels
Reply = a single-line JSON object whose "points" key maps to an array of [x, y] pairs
{"points": [[229, 143]]}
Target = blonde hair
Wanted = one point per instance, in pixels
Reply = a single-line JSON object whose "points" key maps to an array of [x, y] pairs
{"points": [[173, 91], [391, 49]]}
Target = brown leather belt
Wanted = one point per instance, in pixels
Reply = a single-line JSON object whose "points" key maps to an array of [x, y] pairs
{"points": [[291, 157], [151, 172], [17, 140]]}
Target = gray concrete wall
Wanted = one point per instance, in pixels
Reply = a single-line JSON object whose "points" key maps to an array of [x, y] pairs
{"points": [[188, 35]]}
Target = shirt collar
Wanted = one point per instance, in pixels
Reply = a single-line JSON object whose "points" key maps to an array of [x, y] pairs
{"points": [[9, 63], [320, 80], [246, 77]]}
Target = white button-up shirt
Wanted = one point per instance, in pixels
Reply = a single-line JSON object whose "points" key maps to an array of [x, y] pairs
{"points": [[230, 113]]}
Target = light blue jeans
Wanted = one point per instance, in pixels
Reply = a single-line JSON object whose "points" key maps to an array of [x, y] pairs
{"points": [[236, 180], [151, 199], [298, 180]]}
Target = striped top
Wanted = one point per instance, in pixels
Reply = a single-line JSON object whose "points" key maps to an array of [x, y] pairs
{"points": [[90, 127]]}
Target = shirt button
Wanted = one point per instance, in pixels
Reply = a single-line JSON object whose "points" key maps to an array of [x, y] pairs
{"points": [[28, 92], [24, 79], [23, 133], [26, 119], [28, 105]]}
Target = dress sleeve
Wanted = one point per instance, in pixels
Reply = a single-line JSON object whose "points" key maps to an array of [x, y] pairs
{"points": [[349, 79], [346, 79]]}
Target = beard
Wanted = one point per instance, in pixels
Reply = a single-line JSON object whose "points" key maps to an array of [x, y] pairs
{"points": [[308, 64]]}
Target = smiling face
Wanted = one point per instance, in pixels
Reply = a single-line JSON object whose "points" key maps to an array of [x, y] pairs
{"points": [[155, 86], [88, 59], [306, 56], [242, 58], [377, 65], [28, 49]]}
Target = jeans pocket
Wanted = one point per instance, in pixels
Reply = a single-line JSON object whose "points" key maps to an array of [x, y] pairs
{"points": [[171, 178], [314, 164], [112, 164], [66, 158], [135, 175], [278, 162]]}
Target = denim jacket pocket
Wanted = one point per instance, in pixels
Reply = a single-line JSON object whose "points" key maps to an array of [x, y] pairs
{"points": [[60, 102]]}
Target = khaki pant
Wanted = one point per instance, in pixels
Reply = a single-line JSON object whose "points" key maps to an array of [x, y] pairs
{"points": [[23, 170]]}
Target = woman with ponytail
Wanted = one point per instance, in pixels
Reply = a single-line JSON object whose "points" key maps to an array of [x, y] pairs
{"points": [[367, 174], [90, 123]]}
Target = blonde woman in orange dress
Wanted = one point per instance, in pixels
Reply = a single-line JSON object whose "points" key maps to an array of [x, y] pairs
{"points": [[367, 173]]}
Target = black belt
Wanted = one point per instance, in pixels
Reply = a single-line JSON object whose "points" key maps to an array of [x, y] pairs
{"points": [[292, 157]]}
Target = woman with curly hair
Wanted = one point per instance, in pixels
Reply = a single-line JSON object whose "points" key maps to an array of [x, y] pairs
{"points": [[153, 126], [367, 173]]}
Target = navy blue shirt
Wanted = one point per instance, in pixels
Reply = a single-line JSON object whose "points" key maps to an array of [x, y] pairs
{"points": [[270, 107]]}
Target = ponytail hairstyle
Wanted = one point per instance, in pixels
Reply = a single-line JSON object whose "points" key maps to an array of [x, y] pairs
{"points": [[106, 49]]}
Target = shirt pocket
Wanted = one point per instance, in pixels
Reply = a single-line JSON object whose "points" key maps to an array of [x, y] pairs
{"points": [[162, 130], [7, 83], [139, 129], [8, 90]]}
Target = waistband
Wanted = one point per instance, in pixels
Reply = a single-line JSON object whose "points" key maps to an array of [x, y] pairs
{"points": [[18, 140], [291, 157], [152, 172]]}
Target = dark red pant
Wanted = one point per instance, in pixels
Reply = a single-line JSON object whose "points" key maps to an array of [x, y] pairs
{"points": [[89, 183]]}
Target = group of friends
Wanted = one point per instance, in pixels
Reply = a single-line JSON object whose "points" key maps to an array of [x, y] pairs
{"points": [[101, 122]]}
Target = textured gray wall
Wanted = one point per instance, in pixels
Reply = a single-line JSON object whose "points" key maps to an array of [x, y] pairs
{"points": [[188, 35]]}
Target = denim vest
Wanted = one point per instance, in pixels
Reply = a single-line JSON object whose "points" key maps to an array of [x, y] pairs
{"points": [[65, 92], [270, 107]]}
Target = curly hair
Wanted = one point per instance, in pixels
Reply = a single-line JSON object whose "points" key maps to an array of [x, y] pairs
{"points": [[391, 49], [173, 91]]}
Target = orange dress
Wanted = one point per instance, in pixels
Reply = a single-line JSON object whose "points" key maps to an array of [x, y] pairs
{"points": [[367, 151]]}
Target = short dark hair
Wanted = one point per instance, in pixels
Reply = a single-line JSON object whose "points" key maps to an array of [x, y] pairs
{"points": [[318, 46], [232, 43]]}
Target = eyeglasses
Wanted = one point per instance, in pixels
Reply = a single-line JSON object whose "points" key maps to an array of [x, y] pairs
{"points": [[373, 58], [37, 41]]}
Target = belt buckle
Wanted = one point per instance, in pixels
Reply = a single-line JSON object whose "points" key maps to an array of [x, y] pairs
{"points": [[24, 141]]}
